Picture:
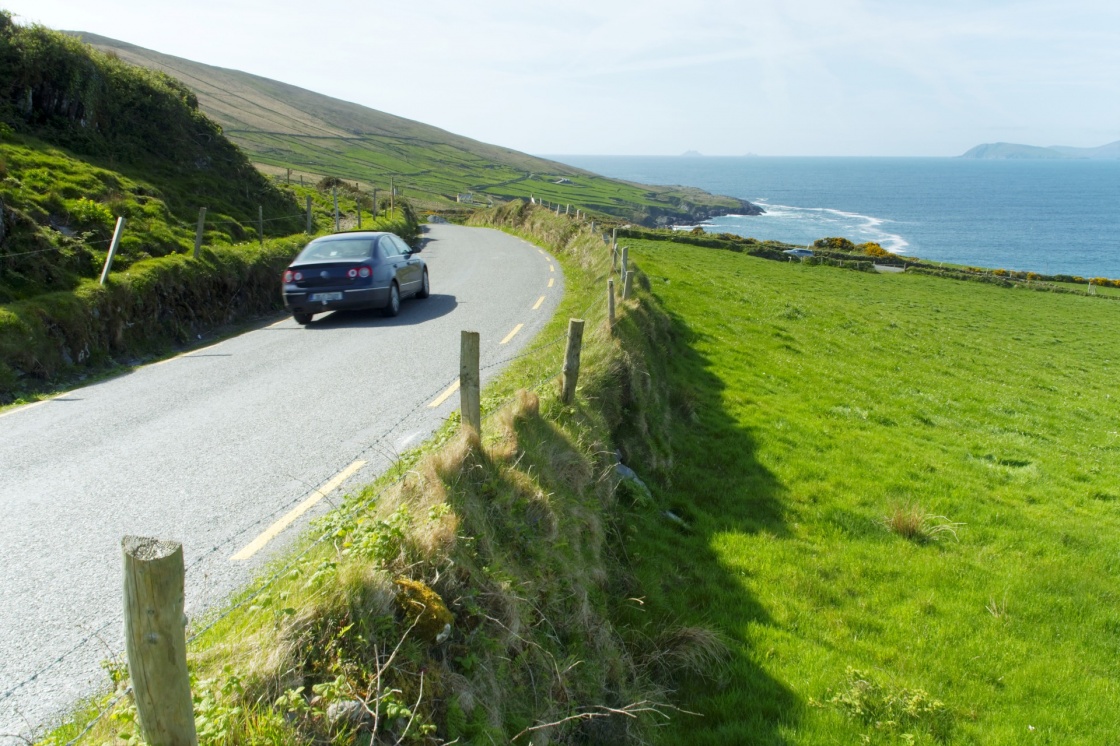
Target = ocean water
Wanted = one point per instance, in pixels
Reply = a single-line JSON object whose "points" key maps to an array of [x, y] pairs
{"points": [[1055, 217]]}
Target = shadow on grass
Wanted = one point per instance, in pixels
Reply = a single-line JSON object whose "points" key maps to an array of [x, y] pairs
{"points": [[714, 491]]}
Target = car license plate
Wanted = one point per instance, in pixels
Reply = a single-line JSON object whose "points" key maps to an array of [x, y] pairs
{"points": [[324, 297]]}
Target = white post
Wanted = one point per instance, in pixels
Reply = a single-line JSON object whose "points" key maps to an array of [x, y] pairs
{"points": [[112, 249]]}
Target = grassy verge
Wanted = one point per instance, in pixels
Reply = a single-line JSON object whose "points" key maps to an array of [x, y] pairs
{"points": [[467, 595], [897, 497]]}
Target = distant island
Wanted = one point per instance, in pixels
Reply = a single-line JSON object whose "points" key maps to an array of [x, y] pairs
{"points": [[1014, 151], [691, 154]]}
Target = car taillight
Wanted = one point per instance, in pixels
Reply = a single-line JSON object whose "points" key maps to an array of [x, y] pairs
{"points": [[287, 275], [352, 274], [365, 272], [299, 276]]}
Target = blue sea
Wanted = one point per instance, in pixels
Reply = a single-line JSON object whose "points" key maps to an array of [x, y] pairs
{"points": [[1054, 217]]}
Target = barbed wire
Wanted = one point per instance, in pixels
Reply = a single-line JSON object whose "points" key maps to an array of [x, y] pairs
{"points": [[106, 709], [89, 638]]}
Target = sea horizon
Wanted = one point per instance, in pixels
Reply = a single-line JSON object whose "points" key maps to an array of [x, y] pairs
{"points": [[1047, 216]]}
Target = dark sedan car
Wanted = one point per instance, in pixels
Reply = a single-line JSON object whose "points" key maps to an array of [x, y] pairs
{"points": [[362, 269]]}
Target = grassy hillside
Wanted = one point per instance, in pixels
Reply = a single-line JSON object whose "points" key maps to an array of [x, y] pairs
{"points": [[282, 126], [86, 138], [897, 498]]}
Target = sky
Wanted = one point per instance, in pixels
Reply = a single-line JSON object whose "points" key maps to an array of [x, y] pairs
{"points": [[660, 77]]}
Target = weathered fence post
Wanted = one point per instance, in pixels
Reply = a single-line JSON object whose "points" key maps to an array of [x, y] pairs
{"points": [[571, 360], [614, 236], [309, 214], [568, 209], [358, 205], [260, 223], [470, 383], [375, 204], [626, 285], [112, 249], [155, 640], [198, 230], [334, 193], [610, 304], [625, 267], [392, 199]]}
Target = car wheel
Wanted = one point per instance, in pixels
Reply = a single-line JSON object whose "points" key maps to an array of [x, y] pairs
{"points": [[303, 319], [394, 306], [424, 290]]}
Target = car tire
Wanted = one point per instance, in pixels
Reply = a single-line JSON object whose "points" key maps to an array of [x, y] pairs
{"points": [[424, 290], [394, 306], [303, 319]]}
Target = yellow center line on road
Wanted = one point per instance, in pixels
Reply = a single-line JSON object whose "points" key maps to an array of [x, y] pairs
{"points": [[516, 329], [551, 280], [445, 395], [537, 305], [552, 268], [274, 530]]}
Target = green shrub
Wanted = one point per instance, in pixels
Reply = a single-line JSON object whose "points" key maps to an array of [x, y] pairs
{"points": [[834, 244], [892, 709], [90, 214]]}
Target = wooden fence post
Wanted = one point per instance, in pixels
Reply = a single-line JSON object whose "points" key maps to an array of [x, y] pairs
{"points": [[614, 236], [375, 204], [155, 640], [626, 285], [334, 193], [309, 214], [358, 205], [610, 303], [392, 199], [571, 360], [198, 230], [625, 267], [112, 249], [470, 383], [260, 223]]}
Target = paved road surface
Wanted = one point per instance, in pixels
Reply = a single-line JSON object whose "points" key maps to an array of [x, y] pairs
{"points": [[211, 447]]}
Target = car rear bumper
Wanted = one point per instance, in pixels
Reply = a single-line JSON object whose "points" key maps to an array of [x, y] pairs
{"points": [[300, 301]]}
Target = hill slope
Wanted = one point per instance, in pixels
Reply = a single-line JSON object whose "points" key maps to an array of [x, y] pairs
{"points": [[282, 126], [85, 138]]}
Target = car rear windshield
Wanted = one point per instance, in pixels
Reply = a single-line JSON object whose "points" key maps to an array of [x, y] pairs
{"points": [[333, 249]]}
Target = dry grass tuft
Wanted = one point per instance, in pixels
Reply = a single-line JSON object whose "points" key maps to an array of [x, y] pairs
{"points": [[915, 524], [696, 651]]}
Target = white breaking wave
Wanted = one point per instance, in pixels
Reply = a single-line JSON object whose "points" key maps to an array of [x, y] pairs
{"points": [[805, 224]]}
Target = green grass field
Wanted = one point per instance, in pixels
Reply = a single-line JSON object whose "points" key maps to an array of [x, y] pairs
{"points": [[813, 403]]}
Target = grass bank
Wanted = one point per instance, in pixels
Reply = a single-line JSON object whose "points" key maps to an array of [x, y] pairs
{"points": [[898, 500]]}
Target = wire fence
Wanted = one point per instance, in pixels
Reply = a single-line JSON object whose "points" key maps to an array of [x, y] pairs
{"points": [[420, 405]]}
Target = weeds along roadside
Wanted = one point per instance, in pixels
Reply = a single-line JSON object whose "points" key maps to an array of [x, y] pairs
{"points": [[509, 539], [151, 306]]}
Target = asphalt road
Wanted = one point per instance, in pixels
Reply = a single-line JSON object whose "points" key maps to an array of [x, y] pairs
{"points": [[211, 447]]}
